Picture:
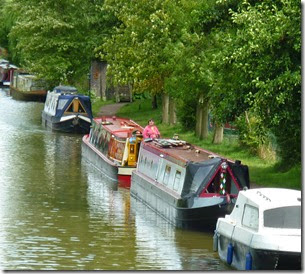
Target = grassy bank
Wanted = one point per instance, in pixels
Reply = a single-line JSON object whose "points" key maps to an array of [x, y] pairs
{"points": [[262, 172]]}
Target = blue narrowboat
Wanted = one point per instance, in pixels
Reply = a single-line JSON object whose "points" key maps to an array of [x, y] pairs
{"points": [[67, 111]]}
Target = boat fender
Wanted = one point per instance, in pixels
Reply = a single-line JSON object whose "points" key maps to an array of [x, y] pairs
{"points": [[215, 241], [248, 261], [230, 253]]}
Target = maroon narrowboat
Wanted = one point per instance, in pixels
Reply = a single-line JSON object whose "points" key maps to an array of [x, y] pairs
{"points": [[112, 146], [6, 72]]}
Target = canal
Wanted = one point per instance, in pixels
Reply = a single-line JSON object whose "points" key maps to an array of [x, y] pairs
{"points": [[59, 213]]}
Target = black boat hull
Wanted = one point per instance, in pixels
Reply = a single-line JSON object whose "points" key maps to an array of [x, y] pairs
{"points": [[74, 125], [173, 208]]}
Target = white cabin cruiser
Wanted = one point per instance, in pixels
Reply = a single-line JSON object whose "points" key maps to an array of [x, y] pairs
{"points": [[263, 232]]}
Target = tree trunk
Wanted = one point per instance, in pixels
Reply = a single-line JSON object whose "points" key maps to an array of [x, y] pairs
{"points": [[198, 120], [172, 111], [154, 103], [165, 108], [218, 134], [205, 120]]}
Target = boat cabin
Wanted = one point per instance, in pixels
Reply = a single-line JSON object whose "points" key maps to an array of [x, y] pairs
{"points": [[65, 101], [189, 170], [117, 138], [26, 82], [264, 208], [6, 72]]}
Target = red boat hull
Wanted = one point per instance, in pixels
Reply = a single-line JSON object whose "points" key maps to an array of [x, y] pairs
{"points": [[124, 180]]}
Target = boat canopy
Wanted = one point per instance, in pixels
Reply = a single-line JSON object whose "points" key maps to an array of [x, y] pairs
{"points": [[200, 174]]}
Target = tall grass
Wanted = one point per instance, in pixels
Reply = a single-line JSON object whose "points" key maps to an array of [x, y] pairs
{"points": [[263, 173]]}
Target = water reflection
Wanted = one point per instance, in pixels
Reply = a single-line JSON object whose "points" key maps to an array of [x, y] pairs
{"points": [[167, 248], [59, 213]]}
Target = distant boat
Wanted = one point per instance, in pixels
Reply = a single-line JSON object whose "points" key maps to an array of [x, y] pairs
{"points": [[67, 111], [113, 146], [263, 232], [27, 87], [187, 185], [6, 72]]}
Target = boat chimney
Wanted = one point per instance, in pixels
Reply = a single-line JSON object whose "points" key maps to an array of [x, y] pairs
{"points": [[114, 118]]}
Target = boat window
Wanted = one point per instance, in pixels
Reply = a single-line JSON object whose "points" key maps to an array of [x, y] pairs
{"points": [[100, 140], [166, 174], [61, 103], [53, 105], [250, 217], [131, 149], [151, 164], [283, 217], [177, 180]]}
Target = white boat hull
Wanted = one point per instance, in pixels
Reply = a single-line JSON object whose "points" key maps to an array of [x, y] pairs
{"points": [[262, 259]]}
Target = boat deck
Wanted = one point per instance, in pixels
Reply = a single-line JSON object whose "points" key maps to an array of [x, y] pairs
{"points": [[119, 127], [179, 150]]}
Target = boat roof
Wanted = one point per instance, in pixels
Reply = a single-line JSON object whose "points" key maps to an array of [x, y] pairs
{"points": [[120, 127], [266, 198], [179, 150], [7, 65], [3, 61], [65, 89]]}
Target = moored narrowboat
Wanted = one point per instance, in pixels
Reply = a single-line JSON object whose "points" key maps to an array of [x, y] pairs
{"points": [[67, 111], [187, 185], [112, 147], [27, 87], [263, 232], [6, 72]]}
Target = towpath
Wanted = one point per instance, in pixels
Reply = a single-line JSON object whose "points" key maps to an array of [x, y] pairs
{"points": [[111, 109]]}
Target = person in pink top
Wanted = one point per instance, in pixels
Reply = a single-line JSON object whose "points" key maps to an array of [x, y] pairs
{"points": [[151, 131]]}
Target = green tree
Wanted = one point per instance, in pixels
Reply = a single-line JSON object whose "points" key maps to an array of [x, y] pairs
{"points": [[138, 51], [260, 69], [56, 39]]}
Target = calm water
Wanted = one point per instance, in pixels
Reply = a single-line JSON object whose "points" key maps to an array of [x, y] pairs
{"points": [[59, 213]]}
